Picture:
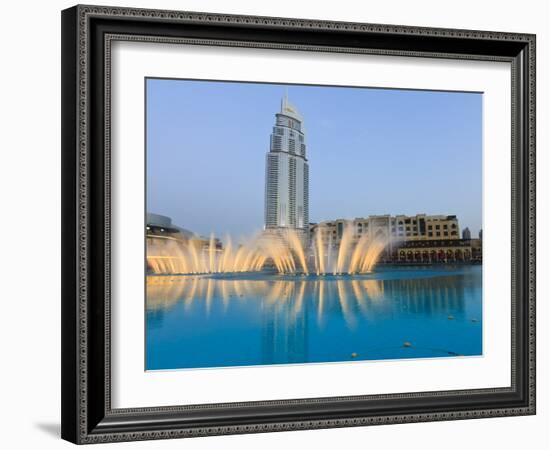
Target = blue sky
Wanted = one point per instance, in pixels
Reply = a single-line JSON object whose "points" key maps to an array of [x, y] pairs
{"points": [[370, 151]]}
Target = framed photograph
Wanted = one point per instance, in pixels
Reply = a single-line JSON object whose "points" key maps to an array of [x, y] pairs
{"points": [[279, 224]]}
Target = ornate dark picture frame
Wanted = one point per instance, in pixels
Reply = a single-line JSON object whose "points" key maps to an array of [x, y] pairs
{"points": [[87, 33]]}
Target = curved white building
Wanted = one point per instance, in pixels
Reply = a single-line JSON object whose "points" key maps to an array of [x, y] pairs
{"points": [[287, 173]]}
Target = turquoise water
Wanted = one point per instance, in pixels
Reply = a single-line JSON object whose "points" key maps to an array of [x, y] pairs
{"points": [[251, 319]]}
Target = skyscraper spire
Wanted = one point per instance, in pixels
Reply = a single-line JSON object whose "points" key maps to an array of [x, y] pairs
{"points": [[288, 108], [284, 100]]}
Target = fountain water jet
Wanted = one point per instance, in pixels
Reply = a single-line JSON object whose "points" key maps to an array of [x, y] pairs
{"points": [[285, 251]]}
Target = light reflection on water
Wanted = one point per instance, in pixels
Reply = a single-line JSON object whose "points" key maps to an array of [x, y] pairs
{"points": [[250, 319]]}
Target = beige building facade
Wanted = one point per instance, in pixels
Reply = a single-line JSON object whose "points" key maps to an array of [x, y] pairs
{"points": [[396, 228], [422, 237]]}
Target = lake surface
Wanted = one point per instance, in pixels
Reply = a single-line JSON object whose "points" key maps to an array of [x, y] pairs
{"points": [[197, 321]]}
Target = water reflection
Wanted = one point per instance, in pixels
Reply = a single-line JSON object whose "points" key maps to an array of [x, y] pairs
{"points": [[212, 321], [351, 295]]}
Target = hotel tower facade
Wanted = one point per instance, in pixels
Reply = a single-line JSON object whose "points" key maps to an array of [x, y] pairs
{"points": [[287, 174]]}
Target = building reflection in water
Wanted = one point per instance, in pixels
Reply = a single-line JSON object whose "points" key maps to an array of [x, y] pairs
{"points": [[286, 309]]}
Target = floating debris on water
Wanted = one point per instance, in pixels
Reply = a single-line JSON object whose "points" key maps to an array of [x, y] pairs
{"points": [[354, 355], [451, 317], [474, 320], [407, 344]]}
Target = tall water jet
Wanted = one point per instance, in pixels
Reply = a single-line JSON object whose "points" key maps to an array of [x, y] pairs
{"points": [[195, 256], [358, 254], [286, 252], [343, 250], [298, 248], [329, 254], [354, 254], [319, 252], [211, 253]]}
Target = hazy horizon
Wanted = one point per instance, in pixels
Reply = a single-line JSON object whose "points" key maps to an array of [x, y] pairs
{"points": [[371, 152]]}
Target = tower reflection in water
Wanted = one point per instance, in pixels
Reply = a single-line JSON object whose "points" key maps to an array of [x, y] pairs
{"points": [[214, 321]]}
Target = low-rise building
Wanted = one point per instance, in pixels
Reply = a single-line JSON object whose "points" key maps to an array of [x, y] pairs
{"points": [[159, 227], [434, 251], [396, 228], [162, 233], [418, 238]]}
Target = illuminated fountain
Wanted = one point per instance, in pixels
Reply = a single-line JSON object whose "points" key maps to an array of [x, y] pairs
{"points": [[283, 251], [171, 256], [353, 255]]}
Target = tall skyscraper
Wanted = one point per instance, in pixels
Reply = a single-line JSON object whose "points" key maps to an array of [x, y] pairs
{"points": [[287, 174]]}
